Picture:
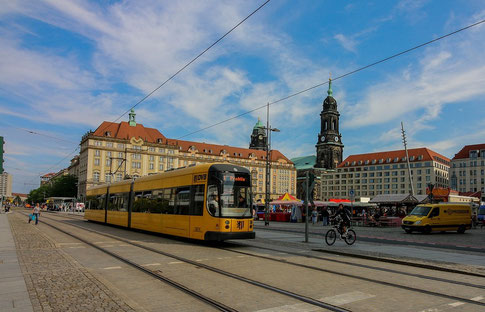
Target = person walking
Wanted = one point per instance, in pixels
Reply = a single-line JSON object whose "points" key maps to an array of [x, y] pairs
{"points": [[325, 216], [314, 216], [36, 213]]}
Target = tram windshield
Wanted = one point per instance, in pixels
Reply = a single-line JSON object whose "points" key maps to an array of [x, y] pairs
{"points": [[420, 211], [232, 195]]}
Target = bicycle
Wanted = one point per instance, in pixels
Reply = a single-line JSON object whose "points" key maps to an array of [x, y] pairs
{"points": [[349, 236]]}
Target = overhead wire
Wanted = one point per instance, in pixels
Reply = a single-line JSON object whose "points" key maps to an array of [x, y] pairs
{"points": [[182, 69], [336, 78]]}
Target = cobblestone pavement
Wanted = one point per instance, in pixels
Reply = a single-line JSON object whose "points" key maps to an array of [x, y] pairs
{"points": [[55, 281]]}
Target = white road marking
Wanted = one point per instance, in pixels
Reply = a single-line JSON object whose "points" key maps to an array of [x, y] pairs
{"points": [[477, 298], [456, 304], [107, 246], [335, 300], [347, 298], [60, 244], [77, 247], [199, 260], [124, 245], [241, 256], [175, 262], [112, 268], [151, 264]]}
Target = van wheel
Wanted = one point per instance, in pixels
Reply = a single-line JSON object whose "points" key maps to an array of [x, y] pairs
{"points": [[461, 229], [427, 229]]}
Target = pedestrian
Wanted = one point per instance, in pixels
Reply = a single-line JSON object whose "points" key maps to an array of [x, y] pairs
{"points": [[36, 213], [325, 216], [314, 216]]}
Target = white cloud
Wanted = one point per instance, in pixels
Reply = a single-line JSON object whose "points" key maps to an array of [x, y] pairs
{"points": [[347, 43]]}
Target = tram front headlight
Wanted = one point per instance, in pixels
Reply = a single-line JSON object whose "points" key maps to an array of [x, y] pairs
{"points": [[418, 222], [227, 222]]}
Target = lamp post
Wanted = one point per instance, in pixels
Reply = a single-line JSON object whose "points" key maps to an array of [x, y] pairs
{"points": [[268, 165]]}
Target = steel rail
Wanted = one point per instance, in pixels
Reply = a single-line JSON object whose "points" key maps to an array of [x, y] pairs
{"points": [[366, 266], [293, 295], [219, 306]]}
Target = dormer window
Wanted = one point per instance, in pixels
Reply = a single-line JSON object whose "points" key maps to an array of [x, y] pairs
{"points": [[474, 154], [411, 158], [360, 162], [388, 160], [107, 133], [374, 161], [420, 157], [381, 161], [367, 162], [353, 163], [396, 159], [160, 140], [404, 158]]}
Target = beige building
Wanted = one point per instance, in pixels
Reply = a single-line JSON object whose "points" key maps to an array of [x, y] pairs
{"points": [[5, 184], [368, 175], [467, 172], [128, 149]]}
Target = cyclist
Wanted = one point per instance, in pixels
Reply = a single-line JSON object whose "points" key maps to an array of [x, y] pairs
{"points": [[344, 220]]}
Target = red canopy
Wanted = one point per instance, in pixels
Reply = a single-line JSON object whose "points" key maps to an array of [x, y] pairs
{"points": [[339, 200]]}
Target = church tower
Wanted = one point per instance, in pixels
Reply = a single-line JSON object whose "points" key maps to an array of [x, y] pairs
{"points": [[329, 145], [258, 137]]}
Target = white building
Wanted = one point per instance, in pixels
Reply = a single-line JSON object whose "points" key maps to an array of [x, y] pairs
{"points": [[368, 175], [5, 184], [467, 172]]}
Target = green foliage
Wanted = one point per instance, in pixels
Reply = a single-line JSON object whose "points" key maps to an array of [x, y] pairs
{"points": [[64, 186]]}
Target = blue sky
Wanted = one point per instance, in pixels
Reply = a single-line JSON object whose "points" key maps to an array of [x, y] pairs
{"points": [[66, 66]]}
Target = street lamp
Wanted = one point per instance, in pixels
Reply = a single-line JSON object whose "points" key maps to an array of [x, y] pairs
{"points": [[268, 165]]}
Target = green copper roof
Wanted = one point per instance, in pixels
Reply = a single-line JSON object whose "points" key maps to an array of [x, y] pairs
{"points": [[304, 162], [329, 92], [259, 124], [132, 118]]}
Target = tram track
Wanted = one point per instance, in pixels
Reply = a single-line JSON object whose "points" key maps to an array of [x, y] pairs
{"points": [[366, 266], [217, 305], [371, 280]]}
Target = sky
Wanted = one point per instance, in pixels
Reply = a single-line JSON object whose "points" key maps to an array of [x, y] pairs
{"points": [[67, 66]]}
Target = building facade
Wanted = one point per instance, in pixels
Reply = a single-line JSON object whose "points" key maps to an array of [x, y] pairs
{"points": [[115, 151], [467, 172], [368, 175], [5, 184], [329, 144]]}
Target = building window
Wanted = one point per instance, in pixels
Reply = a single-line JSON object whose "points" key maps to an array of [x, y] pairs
{"points": [[160, 167], [108, 161], [96, 153], [136, 156], [151, 166], [109, 144], [107, 177], [119, 177], [121, 145], [96, 161], [152, 158], [96, 176], [136, 165], [151, 149], [98, 143]]}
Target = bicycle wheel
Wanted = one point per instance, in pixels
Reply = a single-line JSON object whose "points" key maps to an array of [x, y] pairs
{"points": [[330, 237], [351, 237]]}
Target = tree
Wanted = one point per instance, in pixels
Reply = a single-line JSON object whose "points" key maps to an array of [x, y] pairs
{"points": [[63, 186]]}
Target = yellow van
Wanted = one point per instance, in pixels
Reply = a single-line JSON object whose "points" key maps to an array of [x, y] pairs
{"points": [[439, 217]]}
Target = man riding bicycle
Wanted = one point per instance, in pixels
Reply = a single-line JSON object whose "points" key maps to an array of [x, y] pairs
{"points": [[344, 219]]}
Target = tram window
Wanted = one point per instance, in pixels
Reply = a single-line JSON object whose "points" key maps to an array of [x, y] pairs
{"points": [[169, 196], [138, 202], [125, 198], [182, 200], [197, 206]]}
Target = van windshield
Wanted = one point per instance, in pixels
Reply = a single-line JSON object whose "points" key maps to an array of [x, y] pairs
{"points": [[420, 211], [481, 211]]}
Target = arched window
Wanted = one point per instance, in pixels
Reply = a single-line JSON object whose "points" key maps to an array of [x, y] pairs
{"points": [[325, 125], [96, 176], [334, 125]]}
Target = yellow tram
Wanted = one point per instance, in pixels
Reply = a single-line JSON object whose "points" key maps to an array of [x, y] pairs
{"points": [[206, 202]]}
